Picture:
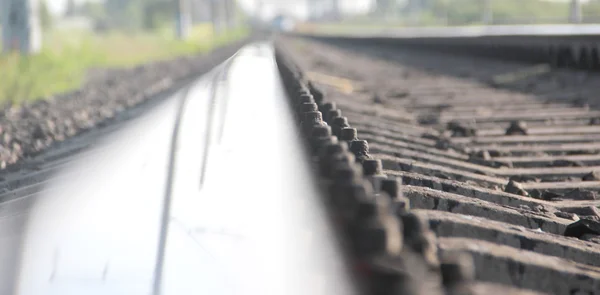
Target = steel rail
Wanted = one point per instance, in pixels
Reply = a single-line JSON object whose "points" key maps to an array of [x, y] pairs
{"points": [[255, 226]]}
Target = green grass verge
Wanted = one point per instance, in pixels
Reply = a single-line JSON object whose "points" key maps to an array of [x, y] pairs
{"points": [[62, 64]]}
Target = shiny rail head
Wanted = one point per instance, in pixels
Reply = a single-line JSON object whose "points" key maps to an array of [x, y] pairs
{"points": [[241, 219]]}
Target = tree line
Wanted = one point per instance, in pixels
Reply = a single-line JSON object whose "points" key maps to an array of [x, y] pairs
{"points": [[502, 11], [116, 14]]}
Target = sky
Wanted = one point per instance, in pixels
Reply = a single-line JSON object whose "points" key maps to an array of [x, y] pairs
{"points": [[293, 7]]}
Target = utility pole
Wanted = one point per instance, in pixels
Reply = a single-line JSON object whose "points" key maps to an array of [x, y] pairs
{"points": [[414, 10], [312, 9], [380, 7], [216, 15], [575, 15], [260, 5], [335, 10], [70, 11], [182, 19], [230, 14], [322, 8], [487, 16], [21, 29]]}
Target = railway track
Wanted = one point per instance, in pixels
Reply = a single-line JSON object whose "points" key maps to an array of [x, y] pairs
{"points": [[439, 173], [558, 45], [506, 174]]}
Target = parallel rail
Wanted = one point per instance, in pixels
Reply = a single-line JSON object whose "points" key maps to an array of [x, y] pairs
{"points": [[576, 46]]}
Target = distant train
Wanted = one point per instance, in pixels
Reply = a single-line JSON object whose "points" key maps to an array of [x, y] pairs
{"points": [[283, 23]]}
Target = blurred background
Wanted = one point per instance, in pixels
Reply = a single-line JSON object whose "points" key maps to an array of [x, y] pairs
{"points": [[50, 45], [455, 12]]}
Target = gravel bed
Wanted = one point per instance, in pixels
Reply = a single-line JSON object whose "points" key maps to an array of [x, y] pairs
{"points": [[29, 128], [417, 116]]}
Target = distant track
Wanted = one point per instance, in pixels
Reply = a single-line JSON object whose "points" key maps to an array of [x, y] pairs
{"points": [[559, 45]]}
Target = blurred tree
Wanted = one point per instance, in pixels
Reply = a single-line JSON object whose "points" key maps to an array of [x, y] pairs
{"points": [[93, 10], [157, 13], [529, 11], [124, 14], [591, 11], [462, 12], [382, 7], [139, 14], [45, 16], [96, 12], [453, 11]]}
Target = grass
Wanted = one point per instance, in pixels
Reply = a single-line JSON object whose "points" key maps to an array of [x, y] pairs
{"points": [[66, 56]]}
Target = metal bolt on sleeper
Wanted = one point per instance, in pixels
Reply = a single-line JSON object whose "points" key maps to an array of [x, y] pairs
{"points": [[348, 134]]}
